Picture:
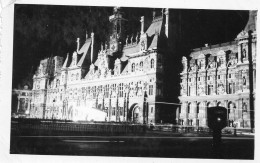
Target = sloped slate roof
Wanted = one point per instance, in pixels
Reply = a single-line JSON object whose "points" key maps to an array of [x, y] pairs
{"points": [[154, 42], [131, 50], [156, 26]]}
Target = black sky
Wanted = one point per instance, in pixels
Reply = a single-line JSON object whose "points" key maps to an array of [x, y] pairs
{"points": [[44, 30]]}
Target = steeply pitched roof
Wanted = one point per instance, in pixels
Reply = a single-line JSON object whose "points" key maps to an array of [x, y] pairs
{"points": [[84, 49], [131, 49]]}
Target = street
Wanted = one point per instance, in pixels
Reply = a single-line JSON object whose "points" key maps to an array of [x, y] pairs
{"points": [[240, 147]]}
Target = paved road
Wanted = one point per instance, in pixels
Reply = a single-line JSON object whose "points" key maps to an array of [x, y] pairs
{"points": [[133, 146]]}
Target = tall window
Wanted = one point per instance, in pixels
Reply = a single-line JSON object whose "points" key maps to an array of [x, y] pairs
{"points": [[231, 88], [210, 89], [113, 111], [151, 110], [121, 109], [150, 89], [94, 91], [113, 87], [141, 66], [152, 63], [88, 90], [133, 67], [188, 108], [100, 89], [107, 91], [121, 87]]}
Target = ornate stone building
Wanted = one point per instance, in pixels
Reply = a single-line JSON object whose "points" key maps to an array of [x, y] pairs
{"points": [[121, 82], [221, 75]]}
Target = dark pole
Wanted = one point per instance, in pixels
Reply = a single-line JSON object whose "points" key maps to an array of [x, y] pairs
{"points": [[251, 87]]}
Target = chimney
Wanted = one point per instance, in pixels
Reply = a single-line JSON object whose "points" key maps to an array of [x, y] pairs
{"points": [[92, 45], [167, 22], [77, 45], [142, 24]]}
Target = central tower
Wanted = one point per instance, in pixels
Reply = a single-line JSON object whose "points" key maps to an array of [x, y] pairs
{"points": [[117, 32]]}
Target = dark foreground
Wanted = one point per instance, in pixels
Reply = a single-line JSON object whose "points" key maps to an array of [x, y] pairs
{"points": [[149, 145]]}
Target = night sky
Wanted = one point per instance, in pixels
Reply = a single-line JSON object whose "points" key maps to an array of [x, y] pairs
{"points": [[44, 30]]}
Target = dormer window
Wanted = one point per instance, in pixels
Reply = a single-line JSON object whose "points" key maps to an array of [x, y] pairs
{"points": [[133, 67]]}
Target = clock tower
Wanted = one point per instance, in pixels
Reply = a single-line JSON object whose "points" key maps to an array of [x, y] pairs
{"points": [[117, 35]]}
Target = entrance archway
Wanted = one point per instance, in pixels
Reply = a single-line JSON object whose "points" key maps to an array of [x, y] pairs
{"points": [[136, 112]]}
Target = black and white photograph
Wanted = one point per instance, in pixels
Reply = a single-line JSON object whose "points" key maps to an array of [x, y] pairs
{"points": [[121, 81]]}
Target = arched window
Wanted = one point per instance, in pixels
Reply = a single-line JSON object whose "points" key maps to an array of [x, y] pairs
{"points": [[133, 67], [152, 63]]}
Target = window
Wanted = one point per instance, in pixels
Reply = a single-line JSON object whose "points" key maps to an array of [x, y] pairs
{"points": [[150, 89], [152, 63], [141, 66], [218, 76], [133, 67], [244, 109], [121, 88], [94, 91], [113, 87], [100, 89], [229, 75], [77, 76], [151, 110], [199, 79], [231, 88], [189, 90], [106, 91], [113, 111], [121, 109], [188, 108], [208, 77], [210, 89], [88, 90]]}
